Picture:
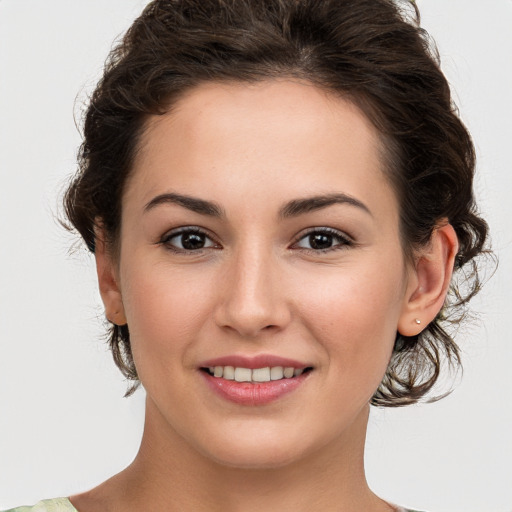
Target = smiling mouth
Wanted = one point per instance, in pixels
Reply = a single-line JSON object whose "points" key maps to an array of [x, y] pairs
{"points": [[255, 375]]}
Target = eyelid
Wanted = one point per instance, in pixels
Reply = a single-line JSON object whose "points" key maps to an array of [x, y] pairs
{"points": [[347, 241], [169, 235]]}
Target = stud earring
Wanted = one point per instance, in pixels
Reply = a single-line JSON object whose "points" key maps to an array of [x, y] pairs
{"points": [[418, 321]]}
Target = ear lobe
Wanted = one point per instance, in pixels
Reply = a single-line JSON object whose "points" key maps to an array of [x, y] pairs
{"points": [[429, 281], [108, 281]]}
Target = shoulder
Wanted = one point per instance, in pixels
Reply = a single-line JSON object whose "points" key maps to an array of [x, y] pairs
{"points": [[55, 505]]}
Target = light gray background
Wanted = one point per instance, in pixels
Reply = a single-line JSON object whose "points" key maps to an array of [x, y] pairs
{"points": [[64, 425]]}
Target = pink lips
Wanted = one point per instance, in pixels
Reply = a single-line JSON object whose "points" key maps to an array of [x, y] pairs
{"points": [[248, 393], [259, 361]]}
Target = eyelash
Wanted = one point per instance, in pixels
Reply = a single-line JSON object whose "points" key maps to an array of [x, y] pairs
{"points": [[191, 230], [343, 241]]}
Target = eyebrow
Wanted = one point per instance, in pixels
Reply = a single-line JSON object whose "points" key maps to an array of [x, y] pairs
{"points": [[194, 204], [293, 208], [309, 204]]}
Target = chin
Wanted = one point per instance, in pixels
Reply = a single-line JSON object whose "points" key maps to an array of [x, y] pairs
{"points": [[254, 458], [260, 450]]}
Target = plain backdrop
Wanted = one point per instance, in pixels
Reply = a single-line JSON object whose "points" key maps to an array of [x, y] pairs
{"points": [[64, 424]]}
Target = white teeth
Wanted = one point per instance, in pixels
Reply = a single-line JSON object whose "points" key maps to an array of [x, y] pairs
{"points": [[266, 374], [288, 372], [276, 373], [243, 374], [261, 375], [229, 373]]}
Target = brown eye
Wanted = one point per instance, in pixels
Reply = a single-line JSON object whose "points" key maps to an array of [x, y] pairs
{"points": [[325, 239], [320, 241], [188, 240], [192, 241]]}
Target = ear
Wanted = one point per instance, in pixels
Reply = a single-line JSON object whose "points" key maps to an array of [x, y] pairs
{"points": [[429, 281], [108, 280]]}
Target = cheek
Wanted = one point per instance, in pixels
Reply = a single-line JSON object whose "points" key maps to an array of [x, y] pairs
{"points": [[353, 315], [164, 309]]}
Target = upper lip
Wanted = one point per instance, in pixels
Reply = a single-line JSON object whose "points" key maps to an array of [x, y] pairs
{"points": [[252, 362]]}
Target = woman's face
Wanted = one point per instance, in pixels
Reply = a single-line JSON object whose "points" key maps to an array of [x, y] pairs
{"points": [[259, 231]]}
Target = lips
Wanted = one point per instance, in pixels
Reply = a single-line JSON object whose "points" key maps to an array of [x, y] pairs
{"points": [[256, 380], [253, 362]]}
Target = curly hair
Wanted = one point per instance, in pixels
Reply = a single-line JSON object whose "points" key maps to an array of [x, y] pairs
{"points": [[371, 52]]}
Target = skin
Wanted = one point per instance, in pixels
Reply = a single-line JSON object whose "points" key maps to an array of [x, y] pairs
{"points": [[258, 286]]}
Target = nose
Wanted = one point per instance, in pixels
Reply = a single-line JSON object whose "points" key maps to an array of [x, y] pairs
{"points": [[252, 297]]}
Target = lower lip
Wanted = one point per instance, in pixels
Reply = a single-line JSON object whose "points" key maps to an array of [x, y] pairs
{"points": [[247, 393]]}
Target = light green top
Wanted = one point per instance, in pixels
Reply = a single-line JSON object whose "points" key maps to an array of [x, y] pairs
{"points": [[64, 505], [55, 505]]}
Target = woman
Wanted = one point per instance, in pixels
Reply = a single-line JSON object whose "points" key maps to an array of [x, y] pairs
{"points": [[276, 194]]}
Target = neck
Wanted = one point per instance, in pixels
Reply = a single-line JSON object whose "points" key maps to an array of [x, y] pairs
{"points": [[330, 479]]}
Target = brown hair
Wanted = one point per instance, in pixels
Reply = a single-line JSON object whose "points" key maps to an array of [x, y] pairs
{"points": [[372, 52]]}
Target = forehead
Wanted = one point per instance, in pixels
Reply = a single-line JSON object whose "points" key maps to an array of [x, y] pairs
{"points": [[287, 135], [295, 111]]}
